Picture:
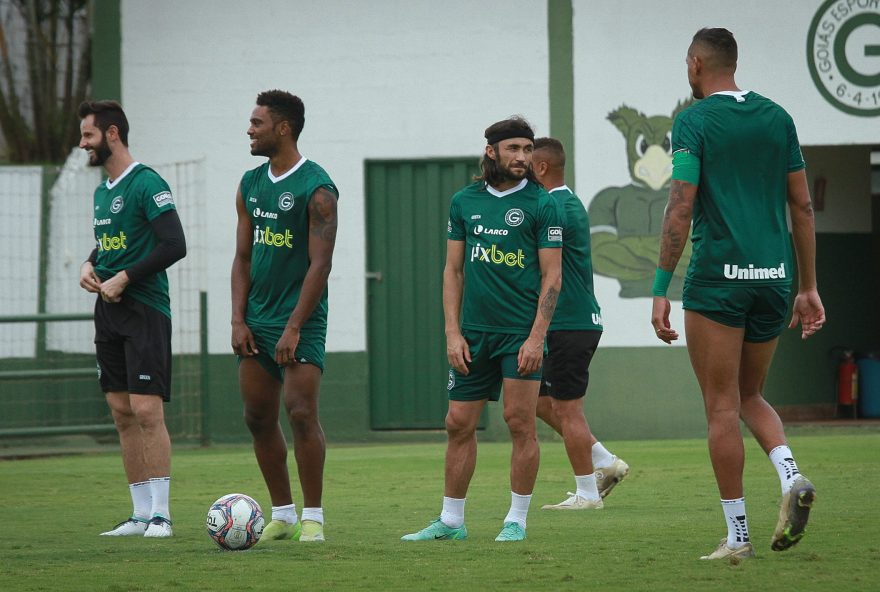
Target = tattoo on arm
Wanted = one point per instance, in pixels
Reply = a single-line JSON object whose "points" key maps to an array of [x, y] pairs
{"points": [[322, 215], [548, 304], [676, 225]]}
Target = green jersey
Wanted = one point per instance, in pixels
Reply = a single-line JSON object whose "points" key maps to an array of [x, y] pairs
{"points": [[278, 208], [747, 145], [124, 209], [577, 308], [503, 231]]}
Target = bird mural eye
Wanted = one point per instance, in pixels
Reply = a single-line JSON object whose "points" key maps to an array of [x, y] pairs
{"points": [[641, 145], [667, 143]]}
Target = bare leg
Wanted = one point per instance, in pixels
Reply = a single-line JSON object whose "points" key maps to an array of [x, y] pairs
{"points": [[130, 440], [576, 434], [149, 412], [546, 413], [461, 448], [301, 386], [260, 393], [715, 351], [756, 412], [520, 403]]}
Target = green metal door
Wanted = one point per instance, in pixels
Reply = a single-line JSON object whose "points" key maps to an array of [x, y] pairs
{"points": [[407, 209]]}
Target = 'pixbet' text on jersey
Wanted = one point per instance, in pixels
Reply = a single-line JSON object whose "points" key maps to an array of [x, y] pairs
{"points": [[495, 255], [266, 236]]}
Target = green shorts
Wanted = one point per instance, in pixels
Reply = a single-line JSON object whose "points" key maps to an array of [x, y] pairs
{"points": [[761, 310], [493, 358], [309, 350]]}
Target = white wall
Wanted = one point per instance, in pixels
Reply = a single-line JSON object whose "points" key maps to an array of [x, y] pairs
{"points": [[389, 79], [633, 53]]}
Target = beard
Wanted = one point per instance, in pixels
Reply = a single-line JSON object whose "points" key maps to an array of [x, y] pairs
{"points": [[100, 154], [263, 149], [510, 175]]}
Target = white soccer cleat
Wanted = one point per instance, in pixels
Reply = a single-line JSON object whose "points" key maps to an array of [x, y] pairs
{"points": [[608, 477], [733, 555], [575, 502], [159, 528], [130, 527]]}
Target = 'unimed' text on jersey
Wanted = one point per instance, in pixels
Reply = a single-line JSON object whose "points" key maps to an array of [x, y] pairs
{"points": [[278, 207], [747, 146], [502, 232], [124, 209]]}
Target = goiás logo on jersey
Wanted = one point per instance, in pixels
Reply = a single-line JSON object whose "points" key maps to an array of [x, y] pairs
{"points": [[116, 204], [286, 201], [273, 238], [514, 217], [492, 254]]}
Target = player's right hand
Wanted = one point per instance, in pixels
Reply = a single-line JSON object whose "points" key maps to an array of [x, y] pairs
{"points": [[458, 353], [243, 342], [660, 320], [88, 281]]}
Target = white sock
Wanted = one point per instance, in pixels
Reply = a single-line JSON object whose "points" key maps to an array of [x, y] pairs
{"points": [[601, 456], [783, 462], [141, 500], [159, 488], [314, 514], [453, 512], [586, 487], [284, 513], [519, 509], [737, 525]]}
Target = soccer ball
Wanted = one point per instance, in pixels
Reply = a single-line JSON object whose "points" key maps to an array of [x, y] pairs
{"points": [[235, 522]]}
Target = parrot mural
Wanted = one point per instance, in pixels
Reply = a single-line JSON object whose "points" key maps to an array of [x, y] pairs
{"points": [[626, 221]]}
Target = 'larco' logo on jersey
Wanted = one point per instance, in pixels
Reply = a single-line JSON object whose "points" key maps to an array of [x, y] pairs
{"points": [[451, 383], [735, 272], [116, 204], [514, 217], [258, 213], [495, 255], [843, 53], [480, 229], [285, 201]]}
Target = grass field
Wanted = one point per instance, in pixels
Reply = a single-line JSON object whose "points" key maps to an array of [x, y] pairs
{"points": [[649, 536]]}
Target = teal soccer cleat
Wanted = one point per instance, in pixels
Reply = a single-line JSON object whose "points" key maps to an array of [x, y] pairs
{"points": [[437, 531]]}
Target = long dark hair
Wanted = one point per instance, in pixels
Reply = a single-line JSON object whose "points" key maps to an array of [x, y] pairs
{"points": [[513, 127]]}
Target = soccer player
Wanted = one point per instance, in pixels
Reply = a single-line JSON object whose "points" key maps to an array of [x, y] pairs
{"points": [[284, 248], [736, 163], [574, 335], [500, 285], [139, 235]]}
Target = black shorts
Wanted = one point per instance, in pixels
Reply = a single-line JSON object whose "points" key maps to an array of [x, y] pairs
{"points": [[133, 345], [567, 366]]}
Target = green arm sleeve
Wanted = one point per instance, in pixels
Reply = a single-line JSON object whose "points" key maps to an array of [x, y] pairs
{"points": [[685, 167]]}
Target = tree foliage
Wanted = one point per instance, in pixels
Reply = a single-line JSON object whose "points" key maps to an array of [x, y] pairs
{"points": [[38, 106]]}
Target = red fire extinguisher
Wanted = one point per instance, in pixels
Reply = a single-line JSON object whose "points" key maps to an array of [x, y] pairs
{"points": [[847, 384]]}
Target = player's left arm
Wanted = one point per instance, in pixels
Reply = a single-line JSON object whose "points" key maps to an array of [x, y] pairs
{"points": [[322, 239], [170, 248], [531, 354]]}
